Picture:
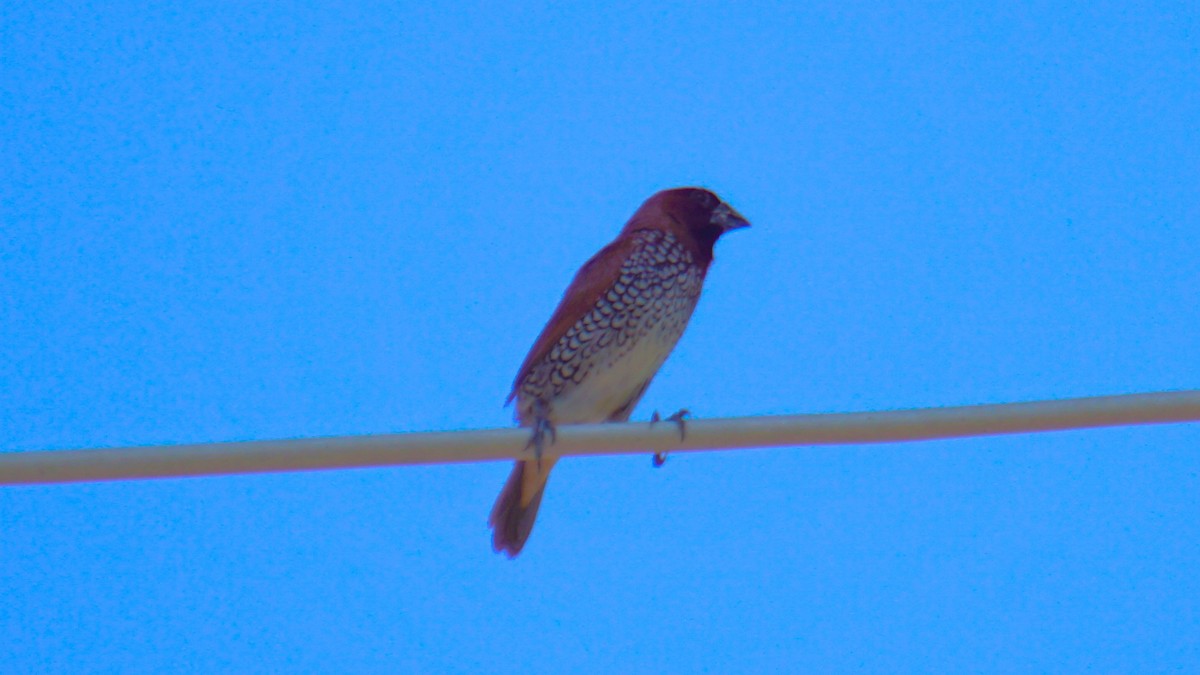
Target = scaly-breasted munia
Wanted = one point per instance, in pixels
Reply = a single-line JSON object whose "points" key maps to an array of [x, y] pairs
{"points": [[614, 327]]}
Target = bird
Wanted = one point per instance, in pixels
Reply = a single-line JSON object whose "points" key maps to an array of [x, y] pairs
{"points": [[616, 324]]}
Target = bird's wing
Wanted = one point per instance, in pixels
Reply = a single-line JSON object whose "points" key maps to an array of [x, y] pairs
{"points": [[592, 280]]}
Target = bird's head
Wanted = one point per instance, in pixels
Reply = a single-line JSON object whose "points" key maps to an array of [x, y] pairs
{"points": [[697, 216]]}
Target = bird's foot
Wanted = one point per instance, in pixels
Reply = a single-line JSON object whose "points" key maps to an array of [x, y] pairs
{"points": [[678, 418], [537, 440]]}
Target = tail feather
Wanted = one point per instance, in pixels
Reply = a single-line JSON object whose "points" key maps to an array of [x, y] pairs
{"points": [[517, 506]]}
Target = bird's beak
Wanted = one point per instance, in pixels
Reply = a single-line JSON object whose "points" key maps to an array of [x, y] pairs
{"points": [[726, 218]]}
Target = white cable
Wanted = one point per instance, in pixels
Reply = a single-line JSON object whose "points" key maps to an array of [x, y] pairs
{"points": [[210, 459]]}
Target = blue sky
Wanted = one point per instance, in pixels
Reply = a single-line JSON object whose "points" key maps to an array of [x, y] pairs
{"points": [[231, 221]]}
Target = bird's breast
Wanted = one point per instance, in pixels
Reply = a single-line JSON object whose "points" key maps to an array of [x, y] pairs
{"points": [[607, 356]]}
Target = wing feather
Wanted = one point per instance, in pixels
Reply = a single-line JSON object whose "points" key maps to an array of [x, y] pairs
{"points": [[592, 280]]}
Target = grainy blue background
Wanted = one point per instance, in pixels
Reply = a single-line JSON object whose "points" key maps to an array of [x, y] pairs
{"points": [[229, 221]]}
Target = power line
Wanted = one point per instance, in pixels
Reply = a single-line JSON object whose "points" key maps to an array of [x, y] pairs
{"points": [[343, 452]]}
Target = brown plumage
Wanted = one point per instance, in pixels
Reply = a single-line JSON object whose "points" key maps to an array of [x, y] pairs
{"points": [[614, 327]]}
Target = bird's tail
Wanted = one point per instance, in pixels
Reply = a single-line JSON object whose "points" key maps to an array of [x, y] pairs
{"points": [[517, 506]]}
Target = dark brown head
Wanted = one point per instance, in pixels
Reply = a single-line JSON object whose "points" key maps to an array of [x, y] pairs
{"points": [[697, 216]]}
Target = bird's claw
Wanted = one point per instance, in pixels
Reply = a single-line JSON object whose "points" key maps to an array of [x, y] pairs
{"points": [[678, 418], [537, 440]]}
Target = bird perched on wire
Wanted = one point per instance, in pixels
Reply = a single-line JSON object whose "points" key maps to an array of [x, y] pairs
{"points": [[614, 327]]}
